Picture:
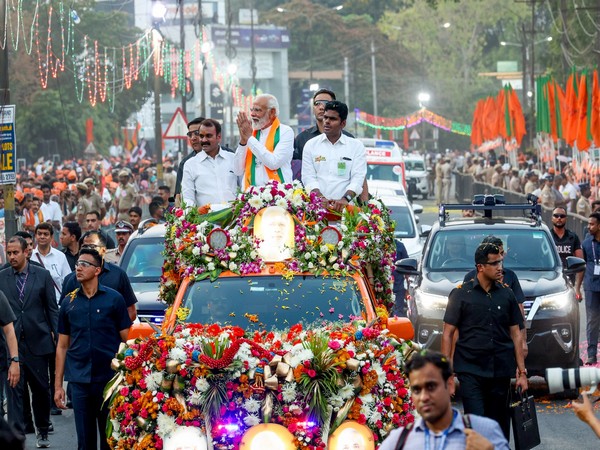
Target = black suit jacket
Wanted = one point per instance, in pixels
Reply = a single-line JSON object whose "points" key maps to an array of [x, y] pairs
{"points": [[37, 316]]}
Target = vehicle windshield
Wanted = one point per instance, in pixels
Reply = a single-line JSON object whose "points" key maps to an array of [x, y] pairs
{"points": [[412, 164], [390, 172], [525, 249], [404, 222], [259, 302], [143, 259]]}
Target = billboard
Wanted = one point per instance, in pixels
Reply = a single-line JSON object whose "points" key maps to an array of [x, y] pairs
{"points": [[8, 146]]}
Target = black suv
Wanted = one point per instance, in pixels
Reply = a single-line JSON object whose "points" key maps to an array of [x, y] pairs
{"points": [[551, 309]]}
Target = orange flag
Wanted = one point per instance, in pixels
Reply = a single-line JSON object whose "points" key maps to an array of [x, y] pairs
{"points": [[501, 116], [570, 117], [517, 118], [595, 119], [583, 143], [489, 119]]}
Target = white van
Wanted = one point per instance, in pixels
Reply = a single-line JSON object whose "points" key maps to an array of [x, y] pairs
{"points": [[384, 161]]}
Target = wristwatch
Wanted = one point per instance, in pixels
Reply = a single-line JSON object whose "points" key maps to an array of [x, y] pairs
{"points": [[522, 372], [14, 359], [348, 198]]}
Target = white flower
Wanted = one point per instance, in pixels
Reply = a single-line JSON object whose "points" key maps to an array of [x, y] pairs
{"points": [[255, 202], [251, 420], [235, 247], [300, 354], [177, 354], [205, 248], [202, 385], [332, 258], [297, 200], [324, 249], [282, 203], [336, 401], [288, 392], [307, 256], [232, 266], [346, 391], [180, 342], [266, 196], [196, 251], [252, 405], [165, 425], [196, 397], [374, 417], [210, 266], [253, 254], [232, 255], [153, 380], [381, 377], [311, 265], [336, 266]]}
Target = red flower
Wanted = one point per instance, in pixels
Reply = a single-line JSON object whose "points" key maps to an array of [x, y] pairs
{"points": [[311, 373]]}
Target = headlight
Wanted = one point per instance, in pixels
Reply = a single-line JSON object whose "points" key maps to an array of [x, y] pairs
{"points": [[351, 434], [556, 301], [267, 436], [431, 301]]}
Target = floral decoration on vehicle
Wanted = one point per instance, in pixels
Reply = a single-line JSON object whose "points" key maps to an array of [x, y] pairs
{"points": [[223, 381]]}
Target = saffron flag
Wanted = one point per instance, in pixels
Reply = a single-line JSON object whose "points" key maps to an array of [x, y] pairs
{"points": [[595, 113], [580, 126]]}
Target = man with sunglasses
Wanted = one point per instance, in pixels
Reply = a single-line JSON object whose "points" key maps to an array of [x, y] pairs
{"points": [[111, 275], [194, 141], [567, 243], [123, 231], [489, 347], [92, 323]]}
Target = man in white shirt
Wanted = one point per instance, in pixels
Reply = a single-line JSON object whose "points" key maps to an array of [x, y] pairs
{"points": [[50, 209], [209, 176], [333, 164], [53, 260], [266, 146]]}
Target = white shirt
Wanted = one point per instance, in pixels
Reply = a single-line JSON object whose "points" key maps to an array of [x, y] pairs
{"points": [[334, 168], [51, 211], [56, 263], [280, 158], [209, 180]]}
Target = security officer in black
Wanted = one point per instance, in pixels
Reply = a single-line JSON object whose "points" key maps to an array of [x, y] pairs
{"points": [[510, 279], [92, 323], [567, 243], [489, 347]]}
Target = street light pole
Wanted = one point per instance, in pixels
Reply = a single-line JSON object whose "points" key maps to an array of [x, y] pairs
{"points": [[182, 144], [374, 81]]}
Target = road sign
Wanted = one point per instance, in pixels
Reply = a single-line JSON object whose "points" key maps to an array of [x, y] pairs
{"points": [[414, 135], [177, 128], [8, 145]]}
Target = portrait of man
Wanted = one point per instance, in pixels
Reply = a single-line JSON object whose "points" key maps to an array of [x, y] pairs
{"points": [[274, 226]]}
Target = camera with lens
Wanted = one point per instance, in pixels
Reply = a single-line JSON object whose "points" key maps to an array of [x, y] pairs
{"points": [[560, 380]]}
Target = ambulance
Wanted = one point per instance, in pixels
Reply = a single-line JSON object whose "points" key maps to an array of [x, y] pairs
{"points": [[384, 161]]}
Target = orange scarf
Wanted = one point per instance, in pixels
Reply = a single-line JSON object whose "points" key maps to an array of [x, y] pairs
{"points": [[272, 141]]}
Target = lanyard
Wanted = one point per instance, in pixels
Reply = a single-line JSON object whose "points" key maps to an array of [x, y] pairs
{"points": [[594, 251], [442, 440], [22, 287]]}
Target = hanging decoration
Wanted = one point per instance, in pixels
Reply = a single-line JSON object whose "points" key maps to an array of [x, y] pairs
{"points": [[103, 71], [412, 120]]}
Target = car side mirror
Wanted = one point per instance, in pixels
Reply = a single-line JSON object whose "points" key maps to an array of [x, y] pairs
{"points": [[425, 230], [407, 266], [417, 209], [417, 219], [574, 265], [401, 327]]}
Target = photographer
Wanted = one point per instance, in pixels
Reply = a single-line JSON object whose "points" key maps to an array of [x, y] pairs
{"points": [[585, 413]]}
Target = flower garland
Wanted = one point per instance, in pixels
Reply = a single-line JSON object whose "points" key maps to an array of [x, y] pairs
{"points": [[367, 240], [222, 381]]}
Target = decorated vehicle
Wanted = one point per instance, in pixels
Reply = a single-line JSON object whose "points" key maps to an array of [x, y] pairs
{"points": [[277, 334]]}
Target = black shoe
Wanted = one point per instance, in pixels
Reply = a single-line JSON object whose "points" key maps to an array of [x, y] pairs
{"points": [[51, 428], [55, 411], [42, 441]]}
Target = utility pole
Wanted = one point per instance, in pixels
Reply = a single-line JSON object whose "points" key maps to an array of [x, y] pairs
{"points": [[252, 49], [374, 76], [182, 144], [346, 81], [203, 60], [10, 221]]}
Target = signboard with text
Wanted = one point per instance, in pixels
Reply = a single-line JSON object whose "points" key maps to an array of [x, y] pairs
{"points": [[8, 146]]}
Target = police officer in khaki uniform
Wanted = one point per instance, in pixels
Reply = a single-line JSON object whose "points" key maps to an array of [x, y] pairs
{"points": [[123, 231], [584, 207]]}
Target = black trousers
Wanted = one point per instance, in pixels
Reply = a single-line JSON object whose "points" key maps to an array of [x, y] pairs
{"points": [[89, 415], [34, 369], [487, 397]]}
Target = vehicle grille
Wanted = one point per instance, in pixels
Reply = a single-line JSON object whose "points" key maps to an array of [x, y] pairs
{"points": [[527, 304]]}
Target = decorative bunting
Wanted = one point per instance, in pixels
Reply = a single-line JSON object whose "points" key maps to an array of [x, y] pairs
{"points": [[414, 119]]}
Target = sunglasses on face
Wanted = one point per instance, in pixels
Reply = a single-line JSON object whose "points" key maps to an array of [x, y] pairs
{"points": [[559, 216], [320, 102], [493, 263], [84, 264], [191, 134]]}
